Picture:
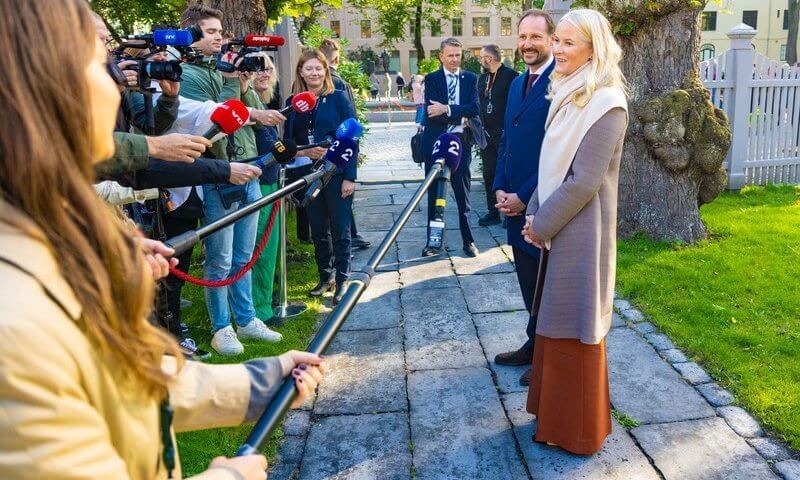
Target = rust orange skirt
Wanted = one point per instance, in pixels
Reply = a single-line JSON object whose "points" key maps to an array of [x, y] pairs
{"points": [[569, 394]]}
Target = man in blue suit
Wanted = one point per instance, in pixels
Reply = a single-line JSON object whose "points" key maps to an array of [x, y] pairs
{"points": [[518, 161], [451, 98]]}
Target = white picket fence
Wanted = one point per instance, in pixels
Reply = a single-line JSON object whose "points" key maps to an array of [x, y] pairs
{"points": [[762, 100]]}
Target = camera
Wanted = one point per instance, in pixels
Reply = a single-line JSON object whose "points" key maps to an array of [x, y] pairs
{"points": [[167, 41], [244, 48]]}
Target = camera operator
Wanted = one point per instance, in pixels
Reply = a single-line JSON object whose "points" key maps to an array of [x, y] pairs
{"points": [[230, 249], [86, 389]]}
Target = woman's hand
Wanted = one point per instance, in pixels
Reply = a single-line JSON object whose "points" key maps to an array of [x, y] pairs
{"points": [[250, 467], [314, 153], [348, 187], [306, 369], [529, 235], [157, 255]]}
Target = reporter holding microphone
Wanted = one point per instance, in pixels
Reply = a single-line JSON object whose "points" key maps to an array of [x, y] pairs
{"points": [[86, 382], [330, 214]]}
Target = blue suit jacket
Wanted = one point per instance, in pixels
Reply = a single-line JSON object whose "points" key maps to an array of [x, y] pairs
{"points": [[520, 147], [332, 110], [436, 89]]}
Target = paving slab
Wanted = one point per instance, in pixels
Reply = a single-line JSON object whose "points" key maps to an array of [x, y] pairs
{"points": [[674, 355], [459, 427], [618, 459], [491, 260], [374, 221], [439, 332], [716, 395], [503, 332], [415, 235], [361, 200], [706, 448], [692, 372], [617, 320], [382, 311], [647, 388], [659, 341], [297, 422], [365, 374], [633, 315], [644, 328], [740, 421], [770, 449], [360, 447], [492, 293], [790, 469], [361, 257], [429, 275]]}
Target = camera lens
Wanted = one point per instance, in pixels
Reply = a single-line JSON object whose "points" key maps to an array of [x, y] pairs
{"points": [[170, 70]]}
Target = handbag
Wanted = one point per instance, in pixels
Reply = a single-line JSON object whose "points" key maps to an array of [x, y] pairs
{"points": [[230, 194], [416, 148]]}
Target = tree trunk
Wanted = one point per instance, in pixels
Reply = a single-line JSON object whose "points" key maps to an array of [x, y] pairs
{"points": [[676, 140], [794, 23], [418, 32], [240, 17]]}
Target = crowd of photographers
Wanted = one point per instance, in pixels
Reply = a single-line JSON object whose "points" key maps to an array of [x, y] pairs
{"points": [[173, 172]]}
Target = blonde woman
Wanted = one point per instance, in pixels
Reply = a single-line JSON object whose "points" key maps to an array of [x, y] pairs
{"points": [[572, 216], [86, 382]]}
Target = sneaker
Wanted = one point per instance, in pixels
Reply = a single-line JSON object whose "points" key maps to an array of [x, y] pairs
{"points": [[225, 342], [256, 330], [190, 350]]}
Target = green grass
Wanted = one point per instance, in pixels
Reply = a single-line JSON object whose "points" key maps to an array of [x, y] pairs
{"points": [[732, 302], [198, 448], [626, 421]]}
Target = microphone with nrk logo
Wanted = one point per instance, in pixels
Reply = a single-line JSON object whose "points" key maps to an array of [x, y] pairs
{"points": [[227, 118], [446, 150], [301, 103], [340, 153], [282, 152]]}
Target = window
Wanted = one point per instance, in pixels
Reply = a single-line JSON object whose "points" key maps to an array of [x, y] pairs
{"points": [[336, 27], [750, 17], [707, 51], [412, 29], [786, 19], [436, 27], [476, 52], [366, 29], [458, 27], [783, 52], [508, 56], [505, 27], [394, 60], [708, 21], [480, 26], [412, 61]]}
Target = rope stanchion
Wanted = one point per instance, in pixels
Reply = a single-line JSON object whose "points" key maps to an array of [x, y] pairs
{"points": [[249, 266]]}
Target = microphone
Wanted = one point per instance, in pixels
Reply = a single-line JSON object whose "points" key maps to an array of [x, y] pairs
{"points": [[338, 155], [350, 128], [301, 103], [175, 38], [447, 150], [282, 152], [253, 40], [227, 118]]}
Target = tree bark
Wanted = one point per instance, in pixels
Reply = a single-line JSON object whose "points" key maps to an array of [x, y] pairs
{"points": [[794, 23], [418, 32], [240, 17], [676, 140]]}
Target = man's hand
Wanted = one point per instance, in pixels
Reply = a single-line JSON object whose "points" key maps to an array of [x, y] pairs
{"points": [[500, 197], [156, 254], [177, 147], [511, 206], [435, 109], [314, 153], [529, 235], [348, 187], [131, 75], [242, 173], [244, 81], [228, 57], [267, 117], [169, 88]]}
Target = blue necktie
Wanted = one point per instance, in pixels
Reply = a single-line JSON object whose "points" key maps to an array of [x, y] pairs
{"points": [[452, 80]]}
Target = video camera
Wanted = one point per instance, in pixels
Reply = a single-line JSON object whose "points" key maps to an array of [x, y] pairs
{"points": [[243, 48], [160, 41]]}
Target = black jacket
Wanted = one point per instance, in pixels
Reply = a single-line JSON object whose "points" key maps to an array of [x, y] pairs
{"points": [[493, 122]]}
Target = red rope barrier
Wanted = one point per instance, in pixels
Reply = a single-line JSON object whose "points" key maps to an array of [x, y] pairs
{"points": [[232, 279]]}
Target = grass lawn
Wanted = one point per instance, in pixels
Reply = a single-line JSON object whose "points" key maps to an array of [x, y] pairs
{"points": [[198, 448], [732, 302]]}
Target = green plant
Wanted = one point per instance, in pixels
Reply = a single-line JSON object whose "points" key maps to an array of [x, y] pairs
{"points": [[427, 66], [471, 63], [316, 33], [624, 420]]}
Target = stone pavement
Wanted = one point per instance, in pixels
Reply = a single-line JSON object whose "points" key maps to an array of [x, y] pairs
{"points": [[413, 391]]}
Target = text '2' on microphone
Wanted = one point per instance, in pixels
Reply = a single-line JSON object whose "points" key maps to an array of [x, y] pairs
{"points": [[446, 150], [341, 152]]}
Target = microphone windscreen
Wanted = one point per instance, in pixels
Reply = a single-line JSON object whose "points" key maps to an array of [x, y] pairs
{"points": [[253, 40], [175, 38], [284, 151], [230, 116], [304, 102], [350, 128], [447, 147], [341, 152]]}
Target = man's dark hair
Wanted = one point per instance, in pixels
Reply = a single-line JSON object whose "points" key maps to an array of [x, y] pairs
{"points": [[533, 12], [329, 48], [197, 13], [450, 42], [494, 50]]}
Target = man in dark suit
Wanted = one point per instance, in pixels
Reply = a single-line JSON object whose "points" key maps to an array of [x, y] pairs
{"points": [[493, 87], [451, 98], [518, 161]]}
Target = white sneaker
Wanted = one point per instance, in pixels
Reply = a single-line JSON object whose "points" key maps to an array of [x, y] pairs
{"points": [[256, 330], [225, 342]]}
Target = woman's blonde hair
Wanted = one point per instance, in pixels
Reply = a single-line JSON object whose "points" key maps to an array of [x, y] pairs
{"points": [[299, 84], [266, 95], [46, 167], [604, 69]]}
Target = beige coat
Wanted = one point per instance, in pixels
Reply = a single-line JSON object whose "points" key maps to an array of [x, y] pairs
{"points": [[580, 221], [63, 414]]}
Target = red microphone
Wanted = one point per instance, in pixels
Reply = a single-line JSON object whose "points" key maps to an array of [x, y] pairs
{"points": [[253, 40], [227, 118], [301, 103]]}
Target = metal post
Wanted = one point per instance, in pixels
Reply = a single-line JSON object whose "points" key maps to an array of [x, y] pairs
{"points": [[284, 309]]}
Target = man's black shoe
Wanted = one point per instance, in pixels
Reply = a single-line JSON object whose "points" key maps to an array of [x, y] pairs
{"points": [[339, 293], [491, 218], [470, 249], [515, 358], [525, 378], [359, 243], [321, 288], [430, 251]]}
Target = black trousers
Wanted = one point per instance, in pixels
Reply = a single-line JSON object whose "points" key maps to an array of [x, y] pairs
{"points": [[490, 166], [527, 270], [302, 224], [175, 226], [460, 183], [331, 218]]}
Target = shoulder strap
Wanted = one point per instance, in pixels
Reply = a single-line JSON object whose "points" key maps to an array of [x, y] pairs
{"points": [[44, 288]]}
